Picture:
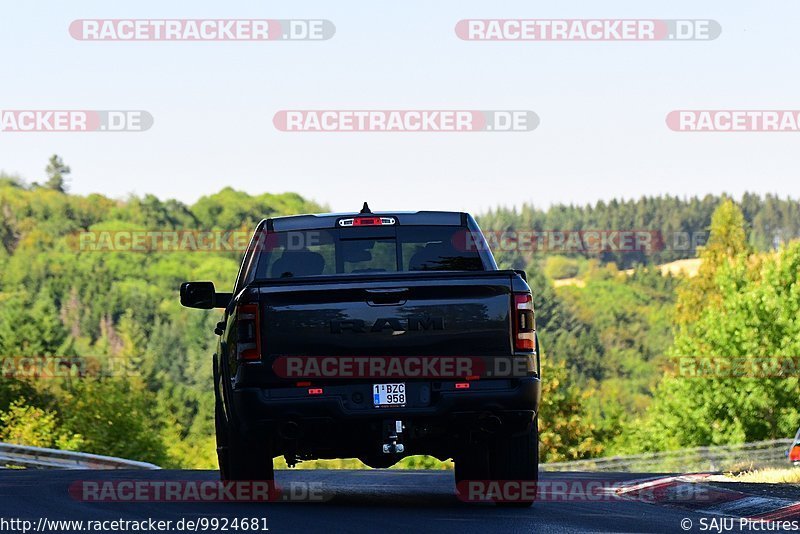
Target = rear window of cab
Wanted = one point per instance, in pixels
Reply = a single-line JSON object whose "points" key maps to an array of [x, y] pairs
{"points": [[361, 250]]}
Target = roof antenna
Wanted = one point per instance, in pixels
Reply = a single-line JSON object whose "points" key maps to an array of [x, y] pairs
{"points": [[365, 209]]}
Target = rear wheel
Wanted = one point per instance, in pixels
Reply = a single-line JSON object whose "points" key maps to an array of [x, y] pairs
{"points": [[222, 442], [241, 456], [515, 458], [508, 464], [472, 465]]}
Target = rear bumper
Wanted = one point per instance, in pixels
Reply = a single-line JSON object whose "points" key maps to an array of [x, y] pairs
{"points": [[258, 406]]}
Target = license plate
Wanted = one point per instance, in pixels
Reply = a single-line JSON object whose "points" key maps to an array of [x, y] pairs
{"points": [[388, 395]]}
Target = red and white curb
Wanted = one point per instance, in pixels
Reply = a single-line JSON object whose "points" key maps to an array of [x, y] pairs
{"points": [[688, 491]]}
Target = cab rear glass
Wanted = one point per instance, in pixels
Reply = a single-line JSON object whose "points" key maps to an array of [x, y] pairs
{"points": [[365, 250]]}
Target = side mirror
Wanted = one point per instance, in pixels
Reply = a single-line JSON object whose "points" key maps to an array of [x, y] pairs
{"points": [[202, 295]]}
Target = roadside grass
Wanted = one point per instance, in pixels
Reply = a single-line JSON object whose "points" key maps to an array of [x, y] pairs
{"points": [[339, 463], [412, 462], [787, 475]]}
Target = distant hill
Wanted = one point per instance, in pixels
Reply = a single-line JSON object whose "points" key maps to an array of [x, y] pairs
{"points": [[680, 225]]}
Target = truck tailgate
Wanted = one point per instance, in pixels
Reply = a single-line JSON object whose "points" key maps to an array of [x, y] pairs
{"points": [[463, 314]]}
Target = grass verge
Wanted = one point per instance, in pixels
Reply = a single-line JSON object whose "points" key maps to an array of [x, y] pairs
{"points": [[788, 475]]}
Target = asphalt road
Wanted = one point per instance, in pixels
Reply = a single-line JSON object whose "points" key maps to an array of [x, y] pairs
{"points": [[382, 501]]}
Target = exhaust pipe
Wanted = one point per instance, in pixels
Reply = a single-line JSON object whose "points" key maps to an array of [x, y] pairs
{"points": [[289, 430], [491, 423]]}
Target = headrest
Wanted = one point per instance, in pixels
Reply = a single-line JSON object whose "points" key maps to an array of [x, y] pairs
{"points": [[301, 262], [429, 258]]}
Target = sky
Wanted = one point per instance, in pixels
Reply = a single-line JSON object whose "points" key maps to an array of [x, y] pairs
{"points": [[602, 105]]}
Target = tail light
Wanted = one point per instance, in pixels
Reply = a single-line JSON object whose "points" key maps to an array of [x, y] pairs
{"points": [[248, 342], [794, 455], [523, 321]]}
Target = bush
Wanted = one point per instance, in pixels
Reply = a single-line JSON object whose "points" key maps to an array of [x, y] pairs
{"points": [[28, 425], [559, 267]]}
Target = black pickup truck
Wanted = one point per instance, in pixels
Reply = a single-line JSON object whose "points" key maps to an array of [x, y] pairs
{"points": [[375, 336]]}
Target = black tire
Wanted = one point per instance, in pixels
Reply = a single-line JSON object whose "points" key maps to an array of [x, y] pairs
{"points": [[241, 457], [222, 442], [516, 457], [473, 464]]}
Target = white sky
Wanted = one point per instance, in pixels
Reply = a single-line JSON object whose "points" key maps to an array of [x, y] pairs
{"points": [[602, 105]]}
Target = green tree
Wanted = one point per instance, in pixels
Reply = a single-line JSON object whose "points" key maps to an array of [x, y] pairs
{"points": [[751, 328], [116, 416], [23, 424], [30, 325], [565, 433], [56, 174], [727, 240]]}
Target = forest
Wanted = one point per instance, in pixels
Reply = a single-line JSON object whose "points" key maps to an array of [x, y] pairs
{"points": [[98, 355]]}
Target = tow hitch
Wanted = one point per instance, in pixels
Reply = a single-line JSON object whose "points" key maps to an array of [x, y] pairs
{"points": [[392, 434]]}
